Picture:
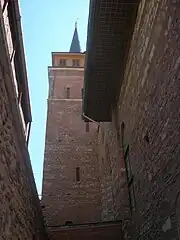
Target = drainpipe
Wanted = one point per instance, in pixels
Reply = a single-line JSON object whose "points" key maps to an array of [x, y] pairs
{"points": [[22, 55], [28, 135], [97, 123], [90, 119]]}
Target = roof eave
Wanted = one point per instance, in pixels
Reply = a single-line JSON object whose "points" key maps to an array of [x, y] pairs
{"points": [[68, 53], [109, 37], [22, 61]]}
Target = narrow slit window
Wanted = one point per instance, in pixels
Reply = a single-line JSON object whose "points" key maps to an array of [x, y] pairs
{"points": [[82, 92], [87, 127], [67, 92], [77, 174], [122, 132]]}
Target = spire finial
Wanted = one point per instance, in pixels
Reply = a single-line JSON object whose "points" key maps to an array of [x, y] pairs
{"points": [[76, 23], [75, 45]]}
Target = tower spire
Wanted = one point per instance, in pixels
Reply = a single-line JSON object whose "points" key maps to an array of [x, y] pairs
{"points": [[75, 45], [76, 23]]}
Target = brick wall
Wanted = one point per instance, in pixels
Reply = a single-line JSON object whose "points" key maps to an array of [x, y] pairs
{"points": [[20, 216], [98, 231], [67, 147], [149, 107], [66, 78]]}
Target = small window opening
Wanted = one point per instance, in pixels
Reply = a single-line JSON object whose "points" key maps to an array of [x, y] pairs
{"points": [[122, 126], [68, 223], [82, 92], [87, 127], [77, 174], [75, 62], [146, 137], [122, 132], [68, 92], [62, 62]]}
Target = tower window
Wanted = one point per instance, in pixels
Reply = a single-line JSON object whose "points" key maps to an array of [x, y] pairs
{"points": [[77, 174], [75, 62], [122, 131], [68, 223], [62, 62], [87, 127], [82, 92], [68, 92]]}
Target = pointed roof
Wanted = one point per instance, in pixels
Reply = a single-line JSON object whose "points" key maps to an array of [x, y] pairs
{"points": [[75, 44]]}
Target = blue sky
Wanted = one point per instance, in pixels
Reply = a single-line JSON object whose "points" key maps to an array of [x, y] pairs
{"points": [[47, 26]]}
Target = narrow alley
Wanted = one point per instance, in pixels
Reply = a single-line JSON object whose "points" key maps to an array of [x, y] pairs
{"points": [[112, 141]]}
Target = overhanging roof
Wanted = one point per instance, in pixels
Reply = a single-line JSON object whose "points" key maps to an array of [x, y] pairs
{"points": [[110, 29], [20, 64]]}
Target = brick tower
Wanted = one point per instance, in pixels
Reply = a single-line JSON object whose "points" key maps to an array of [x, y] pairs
{"points": [[71, 186]]}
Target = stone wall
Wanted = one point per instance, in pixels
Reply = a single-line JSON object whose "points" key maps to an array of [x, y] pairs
{"points": [[149, 107], [114, 191], [113, 178], [20, 216]]}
